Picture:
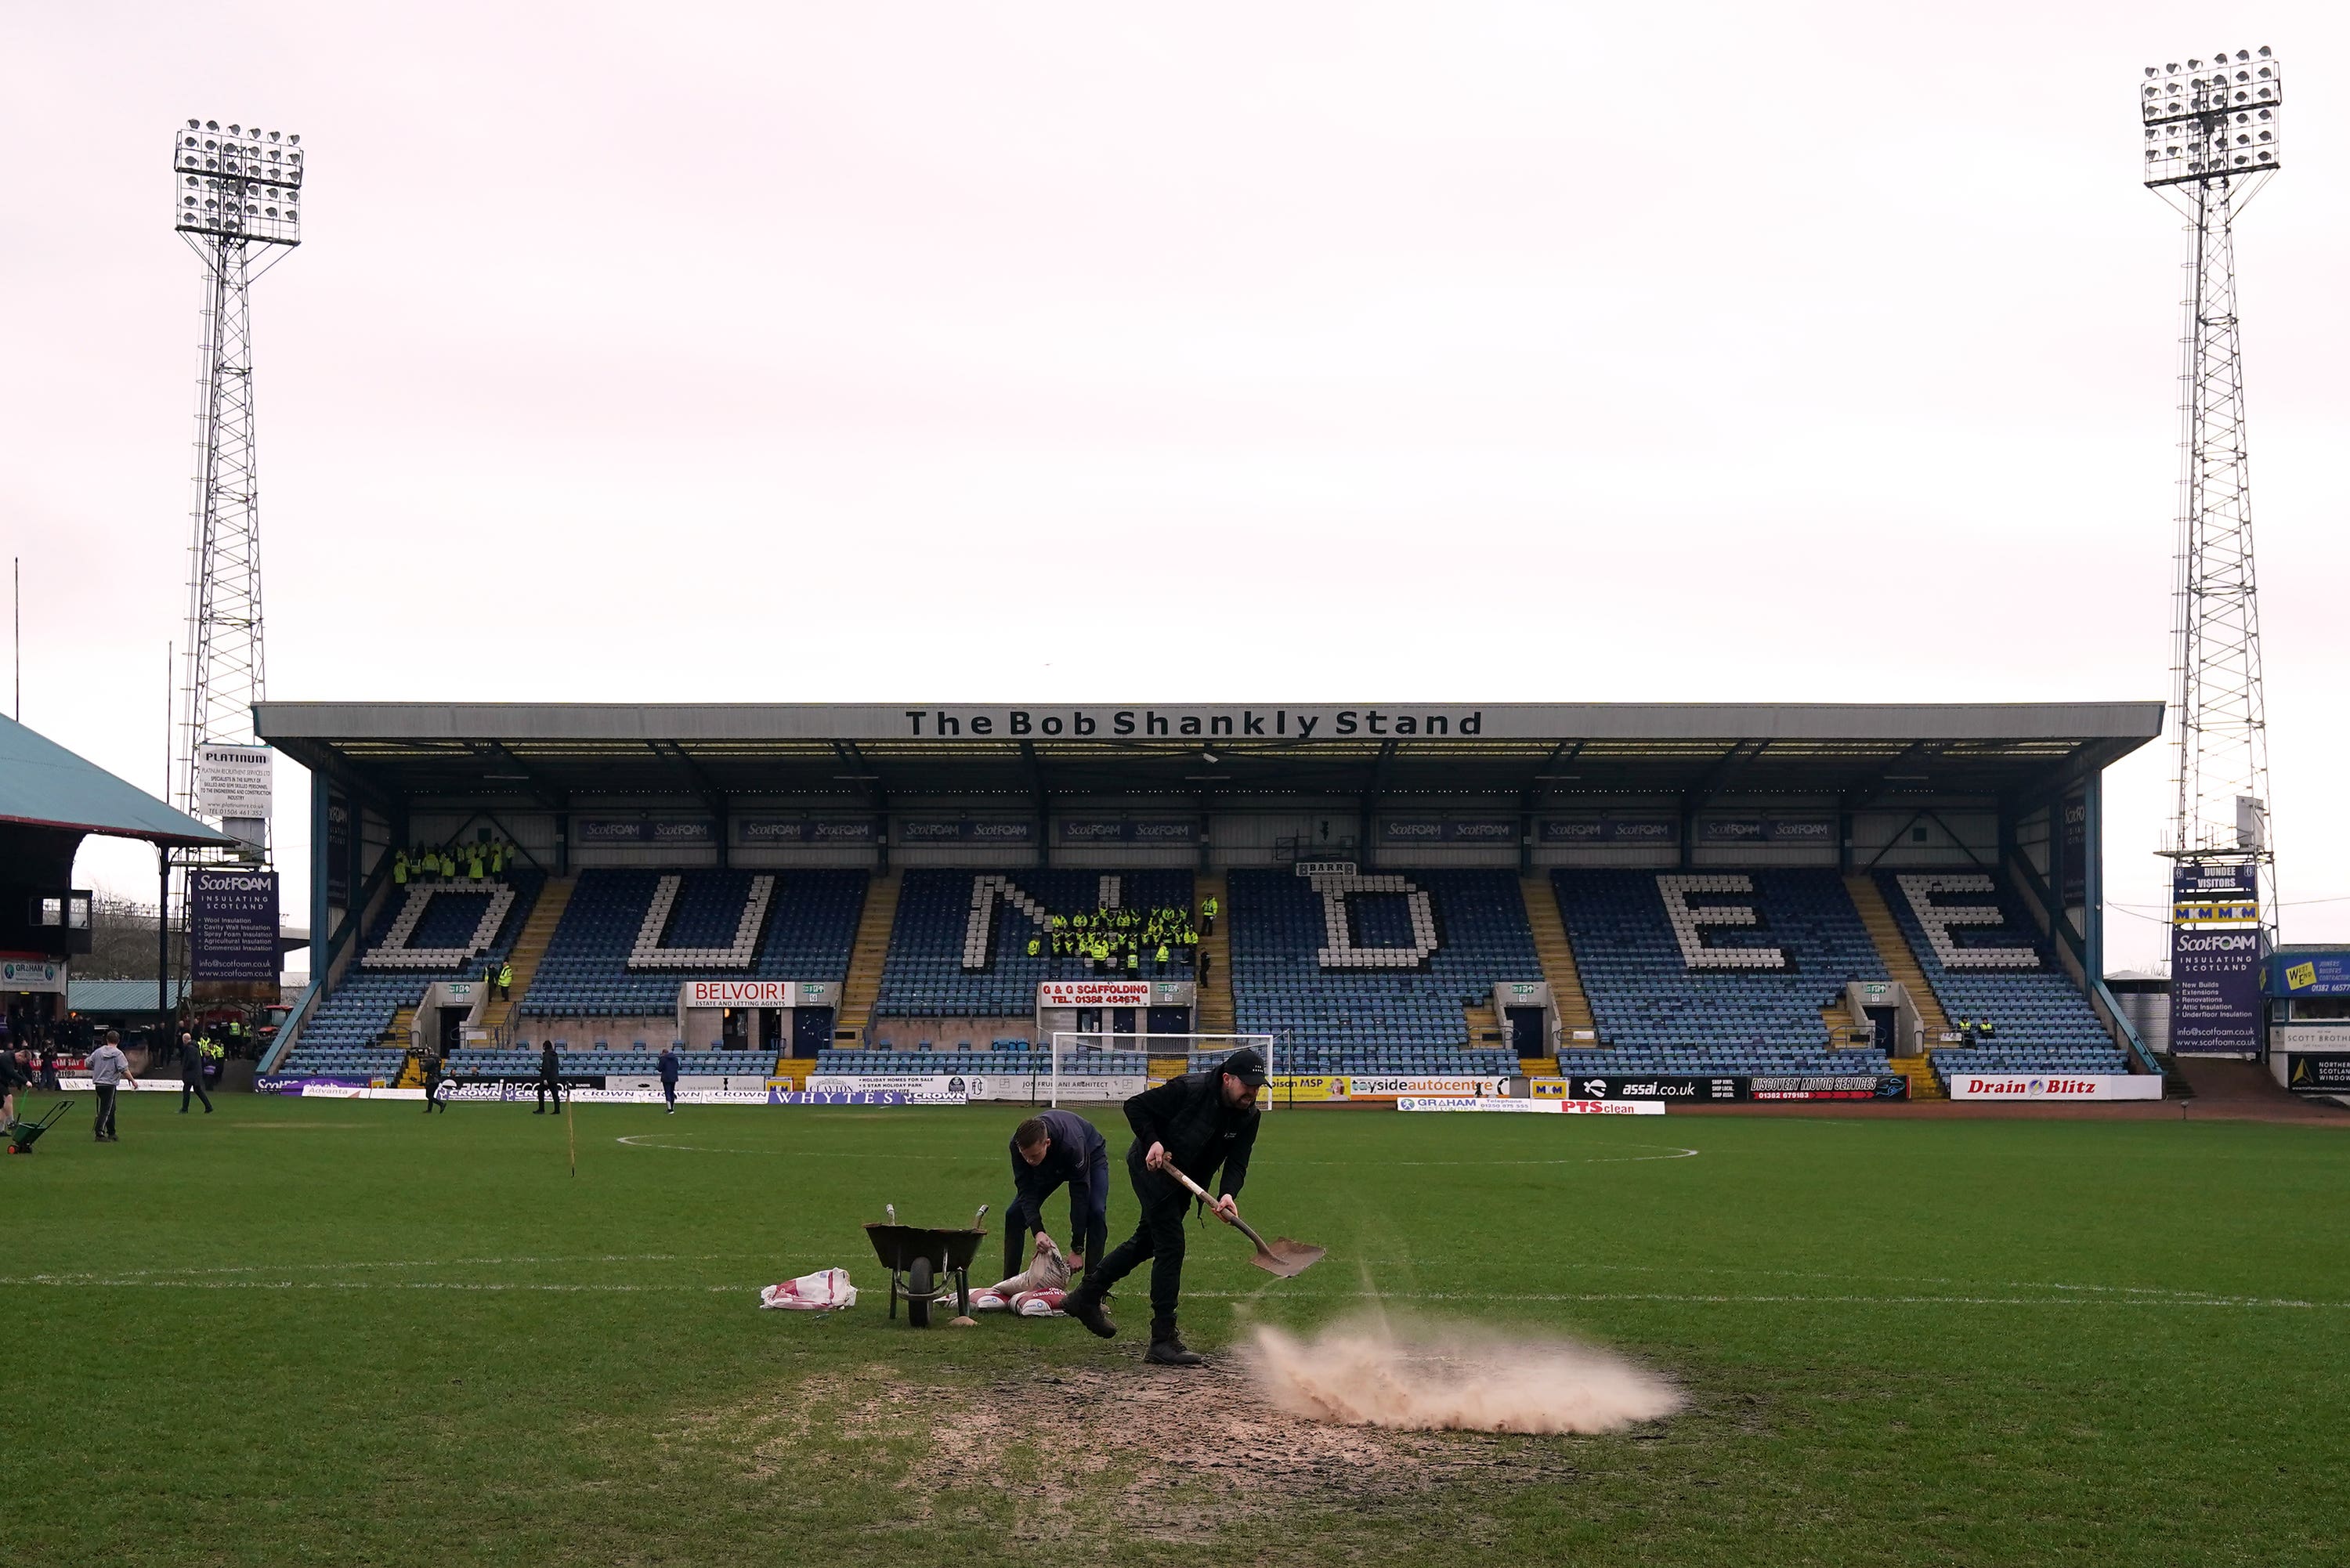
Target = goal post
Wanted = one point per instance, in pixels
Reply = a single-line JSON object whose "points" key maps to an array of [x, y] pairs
{"points": [[1097, 1060]]}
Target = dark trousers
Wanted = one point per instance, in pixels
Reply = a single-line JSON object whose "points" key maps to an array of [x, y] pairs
{"points": [[195, 1087], [432, 1100], [105, 1126], [1024, 1220], [1159, 1238], [669, 1092], [546, 1087]]}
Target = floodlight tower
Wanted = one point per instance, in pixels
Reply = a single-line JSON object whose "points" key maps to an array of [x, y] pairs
{"points": [[237, 200], [2213, 131]]}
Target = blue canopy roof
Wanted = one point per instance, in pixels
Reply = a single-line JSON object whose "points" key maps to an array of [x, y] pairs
{"points": [[45, 785]]}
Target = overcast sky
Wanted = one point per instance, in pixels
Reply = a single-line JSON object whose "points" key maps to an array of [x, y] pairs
{"points": [[1214, 352]]}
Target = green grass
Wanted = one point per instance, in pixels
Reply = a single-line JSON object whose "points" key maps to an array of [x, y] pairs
{"points": [[334, 1331]]}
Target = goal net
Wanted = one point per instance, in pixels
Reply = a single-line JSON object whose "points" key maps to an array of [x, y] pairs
{"points": [[1103, 1065]]}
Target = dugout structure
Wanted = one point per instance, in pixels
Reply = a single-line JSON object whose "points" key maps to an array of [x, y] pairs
{"points": [[2012, 789]]}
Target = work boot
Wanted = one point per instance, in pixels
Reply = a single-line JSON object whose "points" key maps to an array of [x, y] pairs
{"points": [[1085, 1307], [1168, 1349]]}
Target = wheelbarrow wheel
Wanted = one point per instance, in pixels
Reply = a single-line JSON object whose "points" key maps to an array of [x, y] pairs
{"points": [[919, 1288]]}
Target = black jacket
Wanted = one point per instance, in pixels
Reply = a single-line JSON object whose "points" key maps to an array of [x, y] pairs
{"points": [[1077, 1148], [1189, 1116], [192, 1059], [550, 1070]]}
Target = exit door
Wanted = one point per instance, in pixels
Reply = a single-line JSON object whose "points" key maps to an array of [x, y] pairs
{"points": [[811, 1031], [1881, 1025], [735, 1028], [1526, 1031]]}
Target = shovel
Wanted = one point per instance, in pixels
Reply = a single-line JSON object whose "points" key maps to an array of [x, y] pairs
{"points": [[1279, 1256]]}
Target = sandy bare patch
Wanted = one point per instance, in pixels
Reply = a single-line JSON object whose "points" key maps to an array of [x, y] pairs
{"points": [[1165, 1453]]}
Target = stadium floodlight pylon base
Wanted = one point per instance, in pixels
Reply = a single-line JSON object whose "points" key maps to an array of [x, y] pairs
{"points": [[1071, 1047]]}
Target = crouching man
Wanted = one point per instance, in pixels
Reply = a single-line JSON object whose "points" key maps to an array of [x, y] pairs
{"points": [[1048, 1149], [1196, 1124]]}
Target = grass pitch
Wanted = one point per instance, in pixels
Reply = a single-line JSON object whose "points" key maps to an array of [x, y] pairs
{"points": [[335, 1332]]}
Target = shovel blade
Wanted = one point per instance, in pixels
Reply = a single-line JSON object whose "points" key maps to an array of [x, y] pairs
{"points": [[1288, 1259]]}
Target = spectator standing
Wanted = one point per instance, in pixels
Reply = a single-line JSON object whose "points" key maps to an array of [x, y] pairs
{"points": [[434, 1072], [192, 1073], [550, 1079], [14, 1074], [108, 1070], [671, 1064], [49, 1066]]}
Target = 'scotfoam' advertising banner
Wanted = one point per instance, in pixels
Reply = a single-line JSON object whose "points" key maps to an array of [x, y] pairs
{"points": [[2215, 990]]}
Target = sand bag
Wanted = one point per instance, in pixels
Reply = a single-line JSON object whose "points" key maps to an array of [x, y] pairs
{"points": [[827, 1289]]}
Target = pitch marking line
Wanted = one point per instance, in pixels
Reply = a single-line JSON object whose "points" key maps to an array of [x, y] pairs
{"points": [[1673, 1151], [1727, 1298]]}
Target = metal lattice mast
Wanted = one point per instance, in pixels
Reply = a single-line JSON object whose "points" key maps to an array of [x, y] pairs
{"points": [[236, 200], [2213, 133]]}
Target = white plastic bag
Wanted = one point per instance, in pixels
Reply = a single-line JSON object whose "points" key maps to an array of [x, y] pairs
{"points": [[827, 1289]]}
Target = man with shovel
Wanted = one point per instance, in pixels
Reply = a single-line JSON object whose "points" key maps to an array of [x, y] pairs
{"points": [[1188, 1125]]}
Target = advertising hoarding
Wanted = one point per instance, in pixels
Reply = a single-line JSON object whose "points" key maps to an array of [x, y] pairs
{"points": [[233, 924]]}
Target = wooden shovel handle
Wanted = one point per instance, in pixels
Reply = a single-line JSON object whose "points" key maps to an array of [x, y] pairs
{"points": [[1202, 1194]]}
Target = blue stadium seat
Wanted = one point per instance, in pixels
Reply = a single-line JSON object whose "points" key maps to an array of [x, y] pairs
{"points": [[2041, 1023], [1655, 1014], [811, 925], [1387, 1021]]}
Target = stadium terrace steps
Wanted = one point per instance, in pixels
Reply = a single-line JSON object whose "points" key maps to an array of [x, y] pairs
{"points": [[869, 954], [1893, 951], [1214, 1013], [529, 946], [400, 1031], [1484, 1025], [1558, 956], [412, 1071]]}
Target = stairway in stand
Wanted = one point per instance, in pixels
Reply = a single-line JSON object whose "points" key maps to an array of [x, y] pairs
{"points": [[530, 945], [396, 1036], [1558, 956], [1215, 1014], [863, 987], [1484, 1026], [1901, 964]]}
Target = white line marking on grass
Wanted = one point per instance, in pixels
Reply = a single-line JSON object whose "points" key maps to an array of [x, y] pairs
{"points": [[1728, 1298], [167, 1274], [1673, 1151], [186, 1284]]}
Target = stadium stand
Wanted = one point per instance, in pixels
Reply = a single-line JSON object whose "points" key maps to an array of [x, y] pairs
{"points": [[345, 1037], [931, 972], [998, 1060], [1714, 971], [639, 1059], [1374, 976], [628, 935], [1985, 962]]}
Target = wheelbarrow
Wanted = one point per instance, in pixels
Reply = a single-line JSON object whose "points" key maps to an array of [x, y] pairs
{"points": [[920, 1259], [23, 1136]]}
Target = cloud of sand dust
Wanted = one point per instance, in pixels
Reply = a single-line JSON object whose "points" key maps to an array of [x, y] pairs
{"points": [[1373, 1371]]}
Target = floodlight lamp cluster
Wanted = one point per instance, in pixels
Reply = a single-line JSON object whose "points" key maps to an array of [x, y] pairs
{"points": [[238, 183], [2213, 119]]}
